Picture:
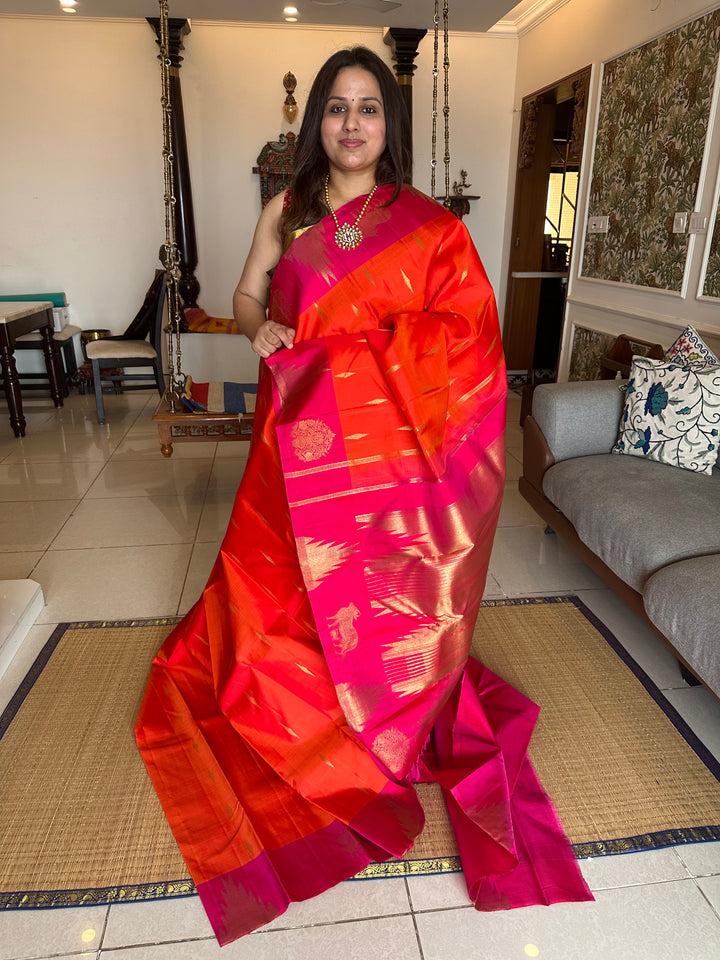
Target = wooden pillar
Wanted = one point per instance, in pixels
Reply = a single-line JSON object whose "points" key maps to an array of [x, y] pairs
{"points": [[188, 286], [404, 42]]}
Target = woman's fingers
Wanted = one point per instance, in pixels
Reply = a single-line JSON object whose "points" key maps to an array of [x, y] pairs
{"points": [[271, 337], [286, 334]]}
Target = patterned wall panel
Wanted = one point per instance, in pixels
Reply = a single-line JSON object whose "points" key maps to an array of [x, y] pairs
{"points": [[652, 127], [588, 347], [711, 283]]}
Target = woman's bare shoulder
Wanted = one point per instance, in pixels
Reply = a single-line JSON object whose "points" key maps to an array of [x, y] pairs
{"points": [[274, 208], [267, 245]]}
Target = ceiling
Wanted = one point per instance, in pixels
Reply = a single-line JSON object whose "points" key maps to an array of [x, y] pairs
{"points": [[464, 15]]}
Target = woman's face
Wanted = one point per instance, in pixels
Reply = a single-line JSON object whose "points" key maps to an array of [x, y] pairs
{"points": [[353, 125]]}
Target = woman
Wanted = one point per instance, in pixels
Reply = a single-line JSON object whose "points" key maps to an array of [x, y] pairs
{"points": [[325, 668]]}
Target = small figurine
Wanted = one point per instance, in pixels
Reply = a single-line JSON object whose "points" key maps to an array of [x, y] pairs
{"points": [[463, 185]]}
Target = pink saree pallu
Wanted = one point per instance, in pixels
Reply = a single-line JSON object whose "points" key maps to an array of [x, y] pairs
{"points": [[325, 667]]}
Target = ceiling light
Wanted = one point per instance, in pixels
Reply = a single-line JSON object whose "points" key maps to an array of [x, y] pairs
{"points": [[290, 9], [68, 9], [291, 19]]}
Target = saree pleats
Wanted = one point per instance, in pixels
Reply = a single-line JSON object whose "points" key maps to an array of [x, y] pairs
{"points": [[325, 667]]}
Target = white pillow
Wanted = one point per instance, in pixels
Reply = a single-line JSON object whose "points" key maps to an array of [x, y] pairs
{"points": [[690, 348], [672, 414]]}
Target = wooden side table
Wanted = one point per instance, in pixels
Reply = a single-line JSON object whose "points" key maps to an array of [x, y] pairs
{"points": [[16, 318]]}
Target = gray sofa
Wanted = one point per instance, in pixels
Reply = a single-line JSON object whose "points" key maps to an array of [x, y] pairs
{"points": [[651, 531]]}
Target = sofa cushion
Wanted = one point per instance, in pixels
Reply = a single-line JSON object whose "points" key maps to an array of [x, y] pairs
{"points": [[672, 414], [636, 515], [690, 348], [682, 601]]}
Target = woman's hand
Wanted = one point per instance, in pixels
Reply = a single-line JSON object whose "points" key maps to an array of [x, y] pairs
{"points": [[271, 337]]}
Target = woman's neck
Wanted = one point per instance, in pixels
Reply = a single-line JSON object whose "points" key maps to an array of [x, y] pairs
{"points": [[344, 187]]}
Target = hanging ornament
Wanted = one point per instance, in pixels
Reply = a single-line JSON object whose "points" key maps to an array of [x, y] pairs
{"points": [[458, 202], [290, 107], [169, 252], [446, 106]]}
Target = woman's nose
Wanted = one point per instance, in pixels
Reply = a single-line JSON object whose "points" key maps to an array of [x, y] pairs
{"points": [[351, 122]]}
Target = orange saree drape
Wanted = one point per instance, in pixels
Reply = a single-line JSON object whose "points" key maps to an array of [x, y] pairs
{"points": [[325, 667]]}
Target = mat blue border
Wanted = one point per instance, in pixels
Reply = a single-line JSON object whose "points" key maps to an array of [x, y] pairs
{"points": [[57, 899]]}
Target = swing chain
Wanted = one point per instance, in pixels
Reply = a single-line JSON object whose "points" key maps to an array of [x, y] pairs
{"points": [[170, 255], [433, 160], [446, 107]]}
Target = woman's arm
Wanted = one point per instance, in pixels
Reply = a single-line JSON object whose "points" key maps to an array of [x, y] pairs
{"points": [[250, 294]]}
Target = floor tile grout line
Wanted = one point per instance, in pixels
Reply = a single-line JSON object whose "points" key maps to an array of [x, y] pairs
{"points": [[702, 893]]}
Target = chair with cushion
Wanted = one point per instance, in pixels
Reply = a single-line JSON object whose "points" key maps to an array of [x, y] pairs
{"points": [[111, 356]]}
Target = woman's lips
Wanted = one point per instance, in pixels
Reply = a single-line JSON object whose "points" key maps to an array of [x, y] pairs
{"points": [[351, 143]]}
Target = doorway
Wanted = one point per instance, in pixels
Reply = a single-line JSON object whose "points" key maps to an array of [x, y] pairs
{"points": [[552, 132]]}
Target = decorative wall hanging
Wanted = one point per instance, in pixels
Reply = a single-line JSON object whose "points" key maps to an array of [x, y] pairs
{"points": [[652, 129], [456, 202], [711, 282], [275, 166], [290, 107]]}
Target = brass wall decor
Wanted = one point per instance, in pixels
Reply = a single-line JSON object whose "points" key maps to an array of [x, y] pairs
{"points": [[290, 107], [459, 201], [460, 186]]}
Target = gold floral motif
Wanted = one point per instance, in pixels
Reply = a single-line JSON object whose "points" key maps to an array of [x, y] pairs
{"points": [[391, 747], [342, 629], [311, 439]]}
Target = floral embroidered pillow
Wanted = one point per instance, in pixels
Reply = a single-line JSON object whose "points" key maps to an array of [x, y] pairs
{"points": [[672, 414], [690, 348]]}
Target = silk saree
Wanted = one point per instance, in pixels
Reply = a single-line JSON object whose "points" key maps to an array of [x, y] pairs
{"points": [[325, 667]]}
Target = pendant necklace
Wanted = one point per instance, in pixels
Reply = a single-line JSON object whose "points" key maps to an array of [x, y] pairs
{"points": [[349, 235]]}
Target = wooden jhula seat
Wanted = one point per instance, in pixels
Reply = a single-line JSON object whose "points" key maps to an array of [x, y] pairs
{"points": [[189, 427]]}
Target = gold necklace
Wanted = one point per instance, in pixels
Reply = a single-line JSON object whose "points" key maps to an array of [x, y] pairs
{"points": [[349, 235]]}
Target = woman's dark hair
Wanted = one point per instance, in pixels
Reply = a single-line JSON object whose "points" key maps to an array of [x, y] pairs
{"points": [[311, 164]]}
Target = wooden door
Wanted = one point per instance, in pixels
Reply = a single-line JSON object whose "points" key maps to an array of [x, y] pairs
{"points": [[535, 159]]}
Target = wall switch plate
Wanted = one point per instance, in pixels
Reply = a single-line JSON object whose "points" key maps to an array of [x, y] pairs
{"points": [[598, 224], [698, 223], [680, 223]]}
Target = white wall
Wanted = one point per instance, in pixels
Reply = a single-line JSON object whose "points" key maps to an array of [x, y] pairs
{"points": [[81, 194], [81, 204], [583, 32]]}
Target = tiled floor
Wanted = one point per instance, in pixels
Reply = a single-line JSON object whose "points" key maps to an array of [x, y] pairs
{"points": [[110, 529]]}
